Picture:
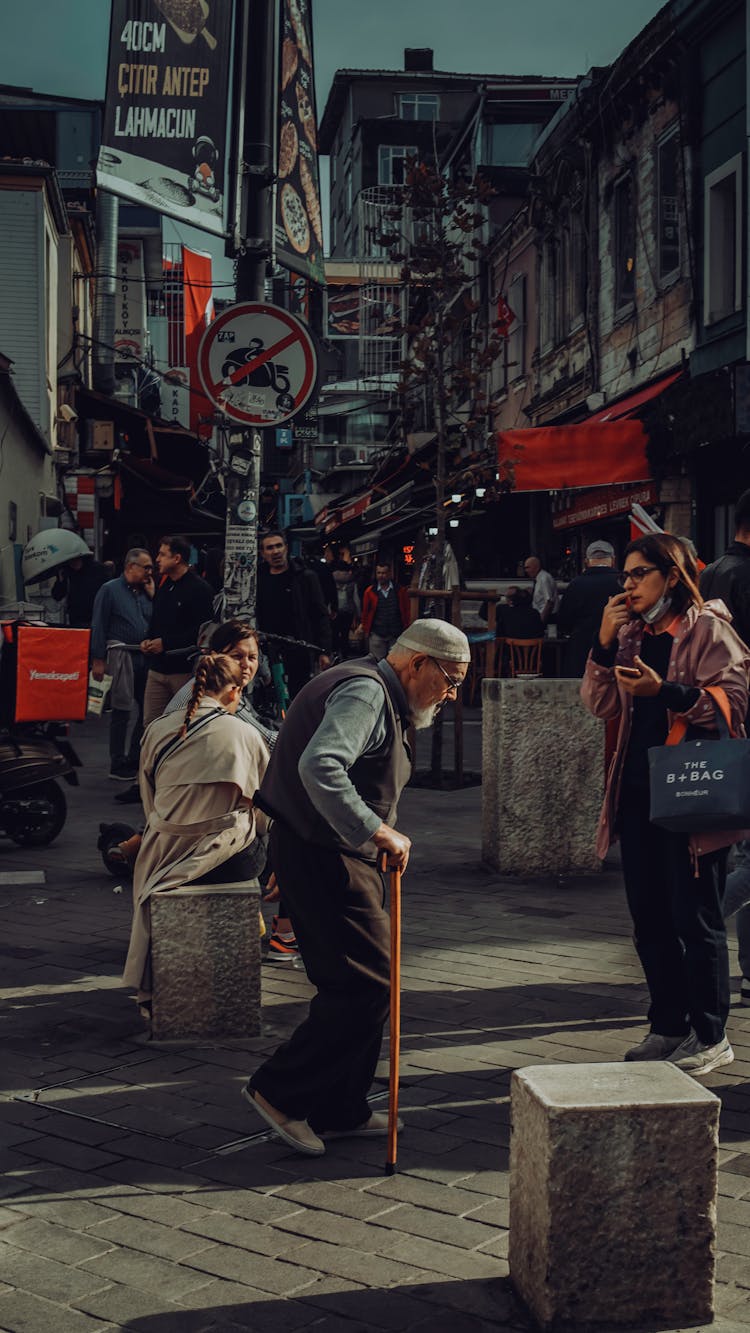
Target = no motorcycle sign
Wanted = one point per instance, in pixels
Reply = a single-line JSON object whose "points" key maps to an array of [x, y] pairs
{"points": [[258, 364]]}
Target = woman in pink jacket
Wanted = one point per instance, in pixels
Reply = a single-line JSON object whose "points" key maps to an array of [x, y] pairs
{"points": [[663, 655]]}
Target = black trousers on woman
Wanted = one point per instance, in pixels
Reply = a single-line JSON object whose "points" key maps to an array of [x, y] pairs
{"points": [[679, 928], [324, 1072]]}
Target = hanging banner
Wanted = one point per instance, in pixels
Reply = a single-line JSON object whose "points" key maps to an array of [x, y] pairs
{"points": [[175, 396], [130, 302], [164, 142], [299, 228]]}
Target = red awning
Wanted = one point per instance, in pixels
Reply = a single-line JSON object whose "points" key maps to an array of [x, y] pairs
{"points": [[608, 448]]}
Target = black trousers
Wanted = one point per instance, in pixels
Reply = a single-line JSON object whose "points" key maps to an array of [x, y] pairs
{"points": [[324, 1072], [679, 928]]}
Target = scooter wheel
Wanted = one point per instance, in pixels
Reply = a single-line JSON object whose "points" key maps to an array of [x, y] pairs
{"points": [[41, 816]]}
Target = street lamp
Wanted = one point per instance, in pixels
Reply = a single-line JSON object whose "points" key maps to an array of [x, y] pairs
{"points": [[457, 498], [480, 492]]}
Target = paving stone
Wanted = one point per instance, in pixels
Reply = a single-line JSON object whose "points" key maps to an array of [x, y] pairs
{"points": [[128, 1307], [250, 1308], [44, 1277], [151, 1237], [377, 1271], [337, 1199], [77, 1155], [407, 1188], [54, 1241], [439, 1258], [456, 1231], [256, 1207], [272, 1275], [246, 1235], [144, 1271], [22, 1312], [387, 1309]]}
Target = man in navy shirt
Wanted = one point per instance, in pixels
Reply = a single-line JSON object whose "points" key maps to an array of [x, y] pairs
{"points": [[122, 615]]}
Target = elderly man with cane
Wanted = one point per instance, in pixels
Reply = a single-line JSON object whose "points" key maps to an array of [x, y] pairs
{"points": [[332, 788]]}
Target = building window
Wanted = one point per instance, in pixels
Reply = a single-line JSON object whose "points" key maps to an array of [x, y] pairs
{"points": [[548, 296], [509, 145], [575, 293], [333, 232], [419, 106], [722, 256], [667, 174], [516, 341], [624, 238], [392, 159]]}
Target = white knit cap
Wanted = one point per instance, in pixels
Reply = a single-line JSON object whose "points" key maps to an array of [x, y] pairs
{"points": [[435, 638]]}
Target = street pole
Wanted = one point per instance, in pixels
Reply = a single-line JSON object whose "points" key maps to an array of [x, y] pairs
{"points": [[255, 109]]}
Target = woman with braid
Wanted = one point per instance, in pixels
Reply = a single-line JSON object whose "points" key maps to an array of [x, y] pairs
{"points": [[198, 772]]}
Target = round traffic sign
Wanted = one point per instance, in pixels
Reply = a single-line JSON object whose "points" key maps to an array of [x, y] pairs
{"points": [[258, 364]]}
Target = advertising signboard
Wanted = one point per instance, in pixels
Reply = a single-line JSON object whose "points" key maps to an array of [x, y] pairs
{"points": [[258, 364], [130, 302], [299, 228], [165, 141]]}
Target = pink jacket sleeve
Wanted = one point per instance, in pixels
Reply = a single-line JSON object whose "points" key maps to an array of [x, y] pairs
{"points": [[599, 690], [721, 659]]}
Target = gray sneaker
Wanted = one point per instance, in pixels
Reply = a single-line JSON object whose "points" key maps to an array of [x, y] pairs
{"points": [[654, 1047], [696, 1057]]}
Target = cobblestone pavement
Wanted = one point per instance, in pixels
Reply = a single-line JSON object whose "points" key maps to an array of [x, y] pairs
{"points": [[139, 1192]]}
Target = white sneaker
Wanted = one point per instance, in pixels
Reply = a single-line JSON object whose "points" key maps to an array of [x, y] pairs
{"points": [[654, 1047], [696, 1057]]}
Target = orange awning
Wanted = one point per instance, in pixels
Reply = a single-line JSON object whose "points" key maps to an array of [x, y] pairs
{"points": [[607, 449]]}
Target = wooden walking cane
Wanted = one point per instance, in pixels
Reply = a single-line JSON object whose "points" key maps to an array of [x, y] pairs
{"points": [[395, 1030]]}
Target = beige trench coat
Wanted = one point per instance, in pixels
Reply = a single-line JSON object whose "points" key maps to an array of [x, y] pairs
{"points": [[198, 810]]}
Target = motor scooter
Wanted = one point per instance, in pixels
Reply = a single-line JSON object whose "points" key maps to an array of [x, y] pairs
{"points": [[32, 802]]}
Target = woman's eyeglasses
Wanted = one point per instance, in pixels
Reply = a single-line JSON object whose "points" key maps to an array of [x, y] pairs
{"points": [[636, 575]]}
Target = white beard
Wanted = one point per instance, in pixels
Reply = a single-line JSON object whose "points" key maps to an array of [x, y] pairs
{"points": [[421, 718]]}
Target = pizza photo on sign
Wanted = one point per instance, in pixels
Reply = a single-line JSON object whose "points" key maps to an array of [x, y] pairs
{"points": [[294, 217], [298, 228]]}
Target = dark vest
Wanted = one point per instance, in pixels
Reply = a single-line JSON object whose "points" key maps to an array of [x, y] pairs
{"points": [[379, 778], [387, 619]]}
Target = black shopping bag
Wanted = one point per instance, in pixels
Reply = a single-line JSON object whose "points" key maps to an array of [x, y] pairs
{"points": [[701, 786]]}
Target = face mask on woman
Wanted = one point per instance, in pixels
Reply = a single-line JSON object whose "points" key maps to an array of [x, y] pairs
{"points": [[656, 611]]}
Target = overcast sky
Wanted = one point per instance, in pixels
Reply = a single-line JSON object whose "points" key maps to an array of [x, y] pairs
{"points": [[56, 47]]}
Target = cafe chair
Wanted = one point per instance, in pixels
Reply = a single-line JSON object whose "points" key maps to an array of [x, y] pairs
{"points": [[525, 656]]}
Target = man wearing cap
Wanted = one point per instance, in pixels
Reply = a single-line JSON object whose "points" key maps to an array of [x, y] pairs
{"points": [[332, 788], [582, 604]]}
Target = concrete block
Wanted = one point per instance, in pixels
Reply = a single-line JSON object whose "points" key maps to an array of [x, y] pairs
{"points": [[205, 951], [613, 1195], [542, 778]]}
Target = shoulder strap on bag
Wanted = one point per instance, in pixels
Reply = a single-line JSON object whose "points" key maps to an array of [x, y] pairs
{"points": [[178, 739], [721, 704]]}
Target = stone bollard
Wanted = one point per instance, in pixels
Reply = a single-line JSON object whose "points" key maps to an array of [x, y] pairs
{"points": [[542, 778], [205, 955], [613, 1179]]}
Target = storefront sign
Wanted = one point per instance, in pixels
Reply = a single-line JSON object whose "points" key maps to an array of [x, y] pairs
{"points": [[603, 502], [299, 227], [130, 302], [390, 504], [164, 143], [175, 395]]}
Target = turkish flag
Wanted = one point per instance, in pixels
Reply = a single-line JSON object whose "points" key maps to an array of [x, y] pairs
{"points": [[505, 317]]}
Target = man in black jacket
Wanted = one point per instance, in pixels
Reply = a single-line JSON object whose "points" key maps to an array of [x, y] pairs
{"points": [[290, 603], [183, 602], [582, 604], [728, 578]]}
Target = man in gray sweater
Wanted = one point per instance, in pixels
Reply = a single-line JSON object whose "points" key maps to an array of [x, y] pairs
{"points": [[332, 788]]}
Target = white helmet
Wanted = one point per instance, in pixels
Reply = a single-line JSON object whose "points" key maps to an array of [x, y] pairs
{"points": [[48, 550]]}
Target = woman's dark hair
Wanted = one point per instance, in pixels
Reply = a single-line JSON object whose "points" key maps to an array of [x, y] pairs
{"points": [[667, 553], [214, 672], [226, 637]]}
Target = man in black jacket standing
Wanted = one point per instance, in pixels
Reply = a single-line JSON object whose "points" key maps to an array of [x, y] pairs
{"points": [[290, 603], [582, 604], [183, 602], [728, 578]]}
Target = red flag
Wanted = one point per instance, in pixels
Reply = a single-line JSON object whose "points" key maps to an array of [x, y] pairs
{"points": [[199, 311], [505, 317]]}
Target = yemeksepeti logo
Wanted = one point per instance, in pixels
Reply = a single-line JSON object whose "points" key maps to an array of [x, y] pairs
{"points": [[54, 675]]}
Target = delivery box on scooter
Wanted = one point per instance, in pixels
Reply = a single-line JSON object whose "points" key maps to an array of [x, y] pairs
{"points": [[44, 673]]}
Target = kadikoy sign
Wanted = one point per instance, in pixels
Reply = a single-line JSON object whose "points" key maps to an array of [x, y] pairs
{"points": [[164, 143], [299, 228]]}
